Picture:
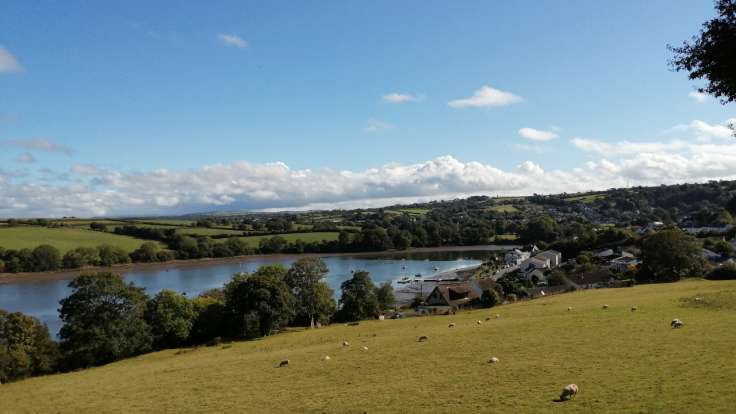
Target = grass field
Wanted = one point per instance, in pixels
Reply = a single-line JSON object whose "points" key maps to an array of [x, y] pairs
{"points": [[503, 208], [589, 198], [292, 237], [64, 239], [622, 361]]}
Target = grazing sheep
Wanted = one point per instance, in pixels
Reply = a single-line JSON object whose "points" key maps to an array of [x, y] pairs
{"points": [[365, 348], [498, 316], [605, 306], [451, 325], [634, 308], [698, 299], [569, 308], [488, 318], [568, 392], [326, 358], [478, 322], [345, 343], [493, 360], [423, 338], [676, 323], [284, 363]]}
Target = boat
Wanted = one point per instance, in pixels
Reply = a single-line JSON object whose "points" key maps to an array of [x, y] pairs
{"points": [[404, 280], [436, 269]]}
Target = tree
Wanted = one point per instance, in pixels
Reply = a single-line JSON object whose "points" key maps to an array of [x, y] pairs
{"points": [[712, 54], [542, 228], [147, 253], [103, 321], [110, 255], [723, 248], [26, 348], [490, 298], [170, 316], [358, 300], [385, 296], [81, 257], [313, 297], [46, 257], [258, 303], [669, 255], [210, 320]]}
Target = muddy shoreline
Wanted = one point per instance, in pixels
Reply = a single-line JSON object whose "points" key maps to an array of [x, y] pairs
{"points": [[6, 278]]}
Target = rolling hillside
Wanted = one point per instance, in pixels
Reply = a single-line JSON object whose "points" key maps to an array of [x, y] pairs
{"points": [[622, 360]]}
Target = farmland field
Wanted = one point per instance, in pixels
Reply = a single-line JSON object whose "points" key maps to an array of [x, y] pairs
{"points": [[622, 361], [292, 237], [503, 208], [64, 238]]}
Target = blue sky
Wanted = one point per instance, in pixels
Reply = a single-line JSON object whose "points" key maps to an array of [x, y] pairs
{"points": [[147, 107]]}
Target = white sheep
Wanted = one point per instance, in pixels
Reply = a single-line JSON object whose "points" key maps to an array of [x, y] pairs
{"points": [[493, 360], [345, 343], [423, 338], [478, 322], [365, 348], [498, 316], [451, 325], [676, 323], [568, 392], [569, 308], [326, 358], [605, 306], [284, 363]]}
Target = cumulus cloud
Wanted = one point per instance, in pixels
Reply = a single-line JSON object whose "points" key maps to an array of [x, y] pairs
{"points": [[537, 134], [37, 144], [8, 62], [26, 158], [233, 40], [398, 98], [486, 96], [705, 131], [698, 97], [374, 125]]}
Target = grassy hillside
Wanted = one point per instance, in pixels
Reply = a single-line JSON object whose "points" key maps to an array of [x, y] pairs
{"points": [[292, 237], [64, 238], [623, 362]]}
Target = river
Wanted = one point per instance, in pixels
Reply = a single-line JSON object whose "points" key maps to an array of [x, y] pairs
{"points": [[40, 298]]}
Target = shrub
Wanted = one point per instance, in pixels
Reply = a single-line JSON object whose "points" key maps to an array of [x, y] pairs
{"points": [[489, 298], [725, 272]]}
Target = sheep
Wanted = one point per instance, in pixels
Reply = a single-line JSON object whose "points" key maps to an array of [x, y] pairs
{"points": [[634, 308], [493, 360], [284, 363], [488, 318], [451, 325], [326, 358], [568, 392], [423, 338], [345, 343], [569, 308], [365, 348], [605, 306], [698, 299], [676, 323], [478, 322], [498, 316]]}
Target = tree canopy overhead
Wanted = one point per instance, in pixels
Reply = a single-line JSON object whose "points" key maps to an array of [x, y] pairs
{"points": [[711, 55]]}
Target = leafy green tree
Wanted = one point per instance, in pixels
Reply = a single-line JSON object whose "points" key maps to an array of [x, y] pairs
{"points": [[81, 257], [211, 318], [543, 228], [669, 255], [46, 257], [147, 253], [110, 255], [712, 54], [385, 296], [238, 247], [313, 297], [358, 300], [170, 316], [103, 321], [490, 298], [26, 348], [258, 303], [723, 248]]}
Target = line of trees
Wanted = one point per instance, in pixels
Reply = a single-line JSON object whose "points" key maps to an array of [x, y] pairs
{"points": [[106, 319]]}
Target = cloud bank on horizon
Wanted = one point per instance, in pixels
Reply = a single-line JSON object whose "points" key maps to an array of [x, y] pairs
{"points": [[90, 190]]}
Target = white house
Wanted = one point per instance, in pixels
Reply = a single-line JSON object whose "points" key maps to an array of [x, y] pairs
{"points": [[515, 257]]}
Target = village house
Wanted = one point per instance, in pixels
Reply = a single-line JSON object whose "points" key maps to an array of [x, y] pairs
{"points": [[538, 265], [455, 295], [516, 257], [625, 263]]}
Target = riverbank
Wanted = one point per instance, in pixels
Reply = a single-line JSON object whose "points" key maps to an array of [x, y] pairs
{"points": [[6, 278]]}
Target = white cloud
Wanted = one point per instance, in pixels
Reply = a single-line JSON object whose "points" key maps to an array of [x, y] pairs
{"points": [[705, 131], [374, 125], [8, 62], [537, 134], [26, 158], [698, 97], [484, 97], [397, 98], [37, 144], [234, 40]]}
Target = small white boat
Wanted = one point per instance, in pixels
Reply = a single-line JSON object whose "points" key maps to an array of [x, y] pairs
{"points": [[404, 280]]}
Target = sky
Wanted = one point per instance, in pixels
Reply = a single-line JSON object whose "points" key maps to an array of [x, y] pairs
{"points": [[161, 108]]}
